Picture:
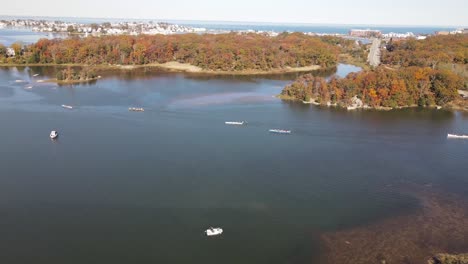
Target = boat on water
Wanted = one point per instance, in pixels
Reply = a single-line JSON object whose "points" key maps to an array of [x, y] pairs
{"points": [[35, 75], [136, 109], [67, 106], [280, 131], [212, 231], [53, 134], [235, 123], [28, 87], [457, 136]]}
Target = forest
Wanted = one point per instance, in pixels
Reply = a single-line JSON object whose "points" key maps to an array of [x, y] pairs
{"points": [[415, 73], [430, 52], [382, 87], [226, 52]]}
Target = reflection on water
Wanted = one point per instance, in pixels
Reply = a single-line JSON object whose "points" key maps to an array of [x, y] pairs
{"points": [[154, 89], [142, 187], [223, 98]]}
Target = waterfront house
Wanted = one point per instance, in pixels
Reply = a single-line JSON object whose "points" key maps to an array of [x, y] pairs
{"points": [[10, 52]]}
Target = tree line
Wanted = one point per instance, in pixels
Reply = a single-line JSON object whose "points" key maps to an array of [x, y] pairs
{"points": [[429, 52], [227, 52]]}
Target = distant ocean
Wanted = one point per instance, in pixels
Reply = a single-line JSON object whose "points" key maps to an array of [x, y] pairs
{"points": [[316, 28], [257, 26], [8, 36]]}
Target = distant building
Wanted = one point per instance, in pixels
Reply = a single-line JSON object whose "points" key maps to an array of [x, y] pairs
{"points": [[10, 52], [442, 33], [365, 33], [398, 35]]}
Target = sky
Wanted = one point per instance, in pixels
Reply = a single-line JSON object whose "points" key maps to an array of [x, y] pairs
{"points": [[363, 12]]}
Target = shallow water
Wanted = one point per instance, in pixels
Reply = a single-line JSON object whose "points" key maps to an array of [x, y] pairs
{"points": [[127, 187]]}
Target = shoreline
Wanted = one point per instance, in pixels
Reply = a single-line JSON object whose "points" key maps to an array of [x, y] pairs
{"points": [[449, 107], [348, 59], [71, 81], [174, 66]]}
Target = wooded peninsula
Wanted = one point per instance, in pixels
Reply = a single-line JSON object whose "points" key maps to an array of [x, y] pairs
{"points": [[212, 52], [415, 73]]}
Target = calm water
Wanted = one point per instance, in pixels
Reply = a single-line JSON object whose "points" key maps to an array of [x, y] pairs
{"points": [[125, 187], [9, 36]]}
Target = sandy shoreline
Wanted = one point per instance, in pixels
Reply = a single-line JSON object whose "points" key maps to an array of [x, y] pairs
{"points": [[174, 66]]}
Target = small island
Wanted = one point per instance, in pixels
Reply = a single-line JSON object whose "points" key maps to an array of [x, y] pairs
{"points": [[70, 75]]}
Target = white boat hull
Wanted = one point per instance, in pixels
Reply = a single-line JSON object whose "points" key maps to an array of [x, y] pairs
{"points": [[53, 134], [457, 136], [280, 131], [214, 231], [235, 123], [67, 106], [136, 109]]}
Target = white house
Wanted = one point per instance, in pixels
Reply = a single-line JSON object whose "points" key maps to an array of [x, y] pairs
{"points": [[10, 52]]}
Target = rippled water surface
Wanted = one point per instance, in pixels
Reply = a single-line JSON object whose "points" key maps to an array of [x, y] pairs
{"points": [[128, 187]]}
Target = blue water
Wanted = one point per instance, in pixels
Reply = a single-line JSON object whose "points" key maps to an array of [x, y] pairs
{"points": [[125, 187], [336, 29], [277, 27], [9, 36]]}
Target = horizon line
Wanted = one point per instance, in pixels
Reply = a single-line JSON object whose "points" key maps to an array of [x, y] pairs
{"points": [[243, 22]]}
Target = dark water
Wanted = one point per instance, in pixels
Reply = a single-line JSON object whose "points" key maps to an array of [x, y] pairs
{"points": [[126, 187]]}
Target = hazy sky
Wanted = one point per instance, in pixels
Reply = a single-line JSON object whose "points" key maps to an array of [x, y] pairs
{"points": [[391, 12]]}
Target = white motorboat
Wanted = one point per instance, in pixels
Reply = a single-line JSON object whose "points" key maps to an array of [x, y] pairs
{"points": [[214, 231], [235, 123], [35, 75], [457, 136], [53, 134], [28, 87], [67, 106], [280, 131], [136, 109]]}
